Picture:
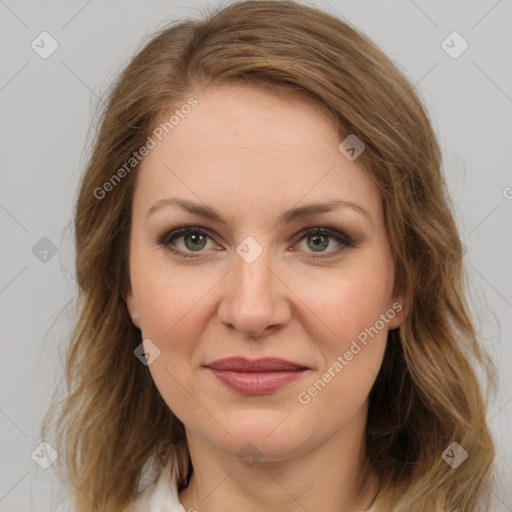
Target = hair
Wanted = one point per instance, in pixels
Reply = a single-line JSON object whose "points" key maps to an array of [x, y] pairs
{"points": [[113, 421]]}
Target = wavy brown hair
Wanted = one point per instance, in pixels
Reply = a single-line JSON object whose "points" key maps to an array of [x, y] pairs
{"points": [[113, 420]]}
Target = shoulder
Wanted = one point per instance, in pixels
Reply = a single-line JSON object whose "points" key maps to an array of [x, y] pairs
{"points": [[158, 492]]}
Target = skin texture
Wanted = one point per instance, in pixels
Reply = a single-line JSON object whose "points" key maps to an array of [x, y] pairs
{"points": [[251, 155]]}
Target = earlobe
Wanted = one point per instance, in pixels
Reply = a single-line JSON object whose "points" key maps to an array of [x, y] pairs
{"points": [[130, 304], [135, 320], [400, 306]]}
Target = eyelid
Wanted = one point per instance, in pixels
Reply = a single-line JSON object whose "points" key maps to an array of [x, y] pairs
{"points": [[324, 230], [180, 231]]}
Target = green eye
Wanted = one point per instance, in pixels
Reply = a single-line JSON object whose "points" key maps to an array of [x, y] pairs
{"points": [[195, 240], [320, 238]]}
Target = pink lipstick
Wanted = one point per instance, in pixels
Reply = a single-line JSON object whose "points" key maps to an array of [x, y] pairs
{"points": [[255, 377]]}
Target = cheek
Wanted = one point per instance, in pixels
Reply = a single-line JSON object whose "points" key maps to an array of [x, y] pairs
{"points": [[171, 303], [349, 304], [171, 311], [169, 298], [340, 392], [354, 313]]}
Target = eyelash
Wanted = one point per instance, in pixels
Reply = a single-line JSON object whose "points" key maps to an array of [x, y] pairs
{"points": [[165, 240]]}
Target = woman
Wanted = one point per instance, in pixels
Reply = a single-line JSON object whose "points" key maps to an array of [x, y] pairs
{"points": [[272, 310]]}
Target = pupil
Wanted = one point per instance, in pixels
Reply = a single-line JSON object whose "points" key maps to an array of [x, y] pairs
{"points": [[316, 238], [195, 238]]}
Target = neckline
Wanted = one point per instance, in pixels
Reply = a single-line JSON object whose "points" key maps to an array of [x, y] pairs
{"points": [[161, 493]]}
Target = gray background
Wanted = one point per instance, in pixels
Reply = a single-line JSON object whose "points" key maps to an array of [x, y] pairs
{"points": [[48, 111]]}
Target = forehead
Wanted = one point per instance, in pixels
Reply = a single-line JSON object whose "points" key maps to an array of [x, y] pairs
{"points": [[243, 147]]}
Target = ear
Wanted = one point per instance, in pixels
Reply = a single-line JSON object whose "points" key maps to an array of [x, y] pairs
{"points": [[400, 304], [131, 304]]}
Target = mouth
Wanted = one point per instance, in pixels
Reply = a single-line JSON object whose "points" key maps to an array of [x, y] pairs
{"points": [[256, 377]]}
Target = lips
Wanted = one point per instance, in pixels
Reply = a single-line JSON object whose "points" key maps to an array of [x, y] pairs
{"points": [[268, 364], [256, 377]]}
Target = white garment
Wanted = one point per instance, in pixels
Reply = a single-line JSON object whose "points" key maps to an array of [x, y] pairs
{"points": [[159, 491], [162, 494]]}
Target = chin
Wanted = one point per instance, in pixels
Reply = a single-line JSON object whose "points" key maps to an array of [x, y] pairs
{"points": [[261, 436]]}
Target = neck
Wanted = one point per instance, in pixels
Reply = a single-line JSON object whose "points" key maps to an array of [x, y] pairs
{"points": [[332, 476]]}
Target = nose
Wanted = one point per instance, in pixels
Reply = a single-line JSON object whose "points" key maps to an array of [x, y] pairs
{"points": [[255, 300]]}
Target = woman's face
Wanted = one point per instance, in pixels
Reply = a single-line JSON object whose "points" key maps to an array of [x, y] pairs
{"points": [[252, 279]]}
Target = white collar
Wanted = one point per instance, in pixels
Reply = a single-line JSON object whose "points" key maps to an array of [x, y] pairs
{"points": [[159, 494]]}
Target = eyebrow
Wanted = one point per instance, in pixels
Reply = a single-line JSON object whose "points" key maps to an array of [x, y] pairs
{"points": [[288, 216]]}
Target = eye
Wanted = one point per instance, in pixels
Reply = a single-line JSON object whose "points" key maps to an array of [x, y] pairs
{"points": [[195, 239], [319, 239]]}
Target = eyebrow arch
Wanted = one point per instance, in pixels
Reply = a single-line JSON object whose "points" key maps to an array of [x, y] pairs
{"points": [[288, 216]]}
